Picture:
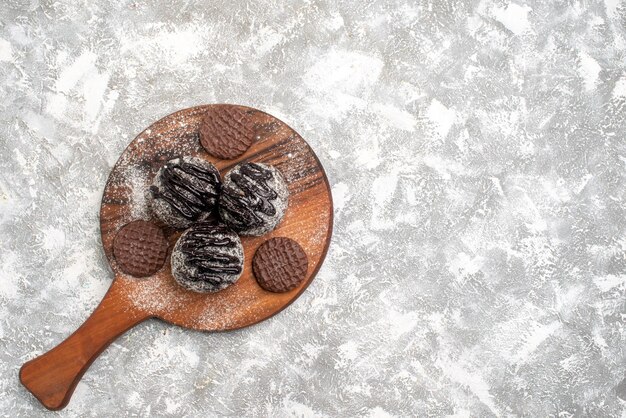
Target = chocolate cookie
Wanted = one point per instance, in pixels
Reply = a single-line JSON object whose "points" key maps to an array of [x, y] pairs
{"points": [[227, 132], [207, 258], [140, 248], [279, 264], [185, 190], [254, 198]]}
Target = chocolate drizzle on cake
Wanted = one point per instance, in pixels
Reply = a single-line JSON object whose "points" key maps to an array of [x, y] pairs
{"points": [[188, 188], [205, 248], [255, 196]]}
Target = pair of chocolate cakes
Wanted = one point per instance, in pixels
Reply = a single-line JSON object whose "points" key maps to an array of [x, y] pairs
{"points": [[189, 193]]}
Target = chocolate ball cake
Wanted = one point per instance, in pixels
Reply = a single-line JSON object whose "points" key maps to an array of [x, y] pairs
{"points": [[254, 198], [207, 257], [185, 190]]}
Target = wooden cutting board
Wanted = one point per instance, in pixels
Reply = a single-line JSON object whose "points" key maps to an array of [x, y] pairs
{"points": [[52, 377]]}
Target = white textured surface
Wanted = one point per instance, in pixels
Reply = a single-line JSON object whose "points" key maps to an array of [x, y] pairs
{"points": [[477, 155]]}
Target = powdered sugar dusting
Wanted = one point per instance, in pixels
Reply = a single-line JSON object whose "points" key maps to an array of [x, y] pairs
{"points": [[139, 181], [149, 295]]}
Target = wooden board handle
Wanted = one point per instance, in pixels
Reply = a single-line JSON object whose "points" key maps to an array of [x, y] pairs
{"points": [[53, 376]]}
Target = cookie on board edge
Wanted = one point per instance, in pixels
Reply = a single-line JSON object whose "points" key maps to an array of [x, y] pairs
{"points": [[227, 131], [280, 264], [140, 248]]}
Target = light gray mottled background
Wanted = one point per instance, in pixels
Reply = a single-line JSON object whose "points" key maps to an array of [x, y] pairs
{"points": [[477, 157]]}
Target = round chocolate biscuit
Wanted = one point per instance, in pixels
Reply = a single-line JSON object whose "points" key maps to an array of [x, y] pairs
{"points": [[140, 248], [279, 264], [227, 131]]}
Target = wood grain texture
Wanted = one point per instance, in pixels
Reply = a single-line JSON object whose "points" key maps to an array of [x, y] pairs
{"points": [[53, 376]]}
